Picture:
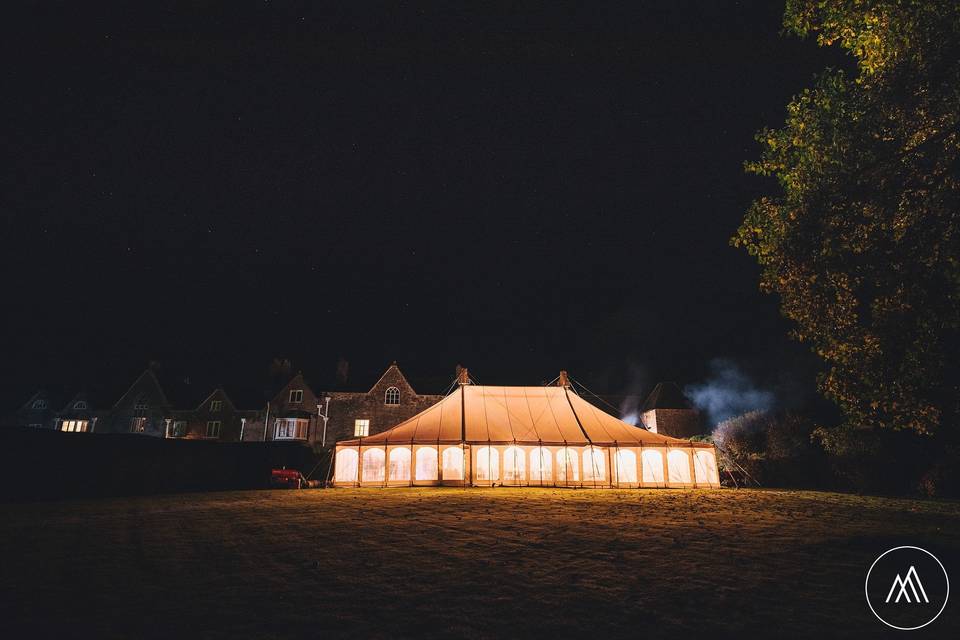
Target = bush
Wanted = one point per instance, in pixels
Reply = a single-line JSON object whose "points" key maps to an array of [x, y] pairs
{"points": [[774, 449]]}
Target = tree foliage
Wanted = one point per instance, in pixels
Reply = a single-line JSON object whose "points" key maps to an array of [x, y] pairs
{"points": [[861, 240]]}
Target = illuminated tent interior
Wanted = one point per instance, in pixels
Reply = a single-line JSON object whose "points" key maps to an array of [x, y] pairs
{"points": [[521, 436]]}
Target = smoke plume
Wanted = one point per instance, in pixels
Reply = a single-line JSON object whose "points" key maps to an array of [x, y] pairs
{"points": [[728, 392], [637, 383]]}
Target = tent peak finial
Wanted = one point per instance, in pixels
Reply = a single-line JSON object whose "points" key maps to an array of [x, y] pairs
{"points": [[564, 379], [464, 376]]}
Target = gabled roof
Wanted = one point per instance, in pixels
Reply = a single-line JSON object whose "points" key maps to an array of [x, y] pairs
{"points": [[52, 399], [296, 381], [666, 395], [528, 415], [151, 377], [399, 378], [223, 394]]}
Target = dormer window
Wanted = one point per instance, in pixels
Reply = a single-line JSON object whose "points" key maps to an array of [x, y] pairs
{"points": [[80, 405], [39, 404], [392, 396], [215, 406], [296, 395]]}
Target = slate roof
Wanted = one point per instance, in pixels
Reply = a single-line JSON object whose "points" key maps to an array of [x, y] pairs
{"points": [[666, 395]]}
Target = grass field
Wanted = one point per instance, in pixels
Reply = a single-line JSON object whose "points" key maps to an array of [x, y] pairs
{"points": [[485, 563]]}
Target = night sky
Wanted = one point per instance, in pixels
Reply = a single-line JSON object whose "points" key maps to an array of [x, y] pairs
{"points": [[519, 190]]}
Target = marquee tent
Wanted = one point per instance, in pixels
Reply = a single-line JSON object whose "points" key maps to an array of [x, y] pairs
{"points": [[520, 436]]}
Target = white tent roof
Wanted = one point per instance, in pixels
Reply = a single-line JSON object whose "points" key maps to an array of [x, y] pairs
{"points": [[528, 415]]}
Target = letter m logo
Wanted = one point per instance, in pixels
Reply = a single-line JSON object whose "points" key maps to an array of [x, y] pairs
{"points": [[912, 581]]}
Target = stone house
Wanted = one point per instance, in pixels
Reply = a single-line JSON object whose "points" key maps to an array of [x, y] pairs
{"points": [[669, 412], [388, 402], [215, 418], [292, 414], [38, 412], [80, 415], [143, 409]]}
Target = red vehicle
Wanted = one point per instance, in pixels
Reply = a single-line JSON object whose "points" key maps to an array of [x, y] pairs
{"points": [[290, 479]]}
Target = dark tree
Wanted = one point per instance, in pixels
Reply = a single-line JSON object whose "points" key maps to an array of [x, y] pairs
{"points": [[861, 239]]}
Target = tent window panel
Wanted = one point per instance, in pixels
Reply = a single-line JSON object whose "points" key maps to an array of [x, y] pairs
{"points": [[453, 463], [652, 466], [400, 464], [705, 466], [426, 463], [568, 469], [488, 464], [373, 460], [541, 467], [626, 466], [678, 466], [593, 465], [346, 466], [514, 465]]}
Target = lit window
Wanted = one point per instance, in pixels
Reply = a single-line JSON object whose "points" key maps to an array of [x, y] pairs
{"points": [[291, 429], [215, 406], [593, 465], [678, 467], [138, 425], [80, 404], [541, 467], [514, 467], [361, 428], [652, 466], [705, 466], [453, 463], [392, 396], [426, 463], [346, 466], [296, 395], [75, 426], [488, 464], [373, 465], [39, 404], [400, 464], [177, 429], [567, 468], [626, 466], [213, 429]]}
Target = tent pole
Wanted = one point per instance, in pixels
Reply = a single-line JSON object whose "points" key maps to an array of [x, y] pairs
{"points": [[640, 467], [609, 461], [693, 469], [566, 394], [666, 466], [540, 458], [359, 461]]}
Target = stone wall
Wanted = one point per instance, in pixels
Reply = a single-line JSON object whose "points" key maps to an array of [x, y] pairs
{"points": [[677, 423], [347, 407]]}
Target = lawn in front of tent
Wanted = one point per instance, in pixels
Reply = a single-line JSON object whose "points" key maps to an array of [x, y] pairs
{"points": [[484, 563]]}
